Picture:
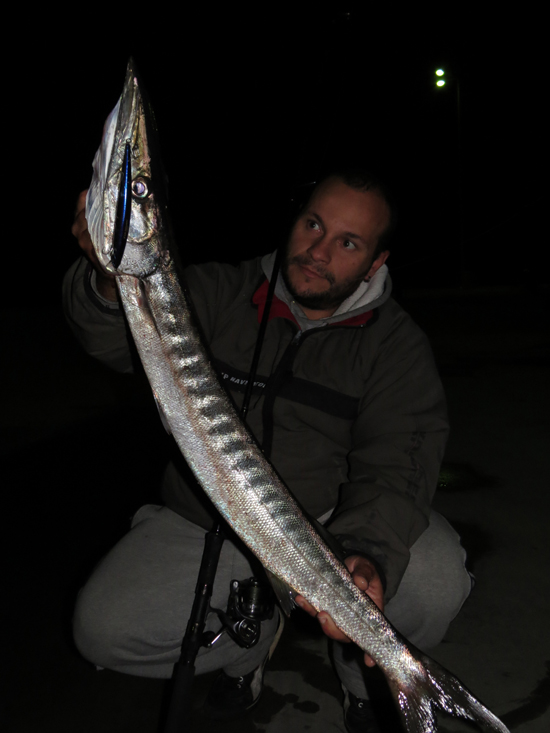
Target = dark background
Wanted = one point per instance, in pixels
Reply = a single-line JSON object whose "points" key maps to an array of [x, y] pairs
{"points": [[249, 103]]}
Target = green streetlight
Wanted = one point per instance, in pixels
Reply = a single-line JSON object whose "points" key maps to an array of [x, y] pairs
{"points": [[440, 82]]}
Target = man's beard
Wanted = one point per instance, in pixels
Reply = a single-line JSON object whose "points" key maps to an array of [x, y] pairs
{"points": [[332, 297]]}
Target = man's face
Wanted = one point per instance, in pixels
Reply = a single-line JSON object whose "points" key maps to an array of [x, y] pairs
{"points": [[331, 246]]}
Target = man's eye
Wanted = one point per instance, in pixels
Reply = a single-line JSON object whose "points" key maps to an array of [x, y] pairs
{"points": [[349, 245], [313, 225]]}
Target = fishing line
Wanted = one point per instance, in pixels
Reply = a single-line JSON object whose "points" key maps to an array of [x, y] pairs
{"points": [[261, 335]]}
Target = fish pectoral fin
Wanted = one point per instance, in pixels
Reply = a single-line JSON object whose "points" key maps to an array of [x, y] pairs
{"points": [[283, 592]]}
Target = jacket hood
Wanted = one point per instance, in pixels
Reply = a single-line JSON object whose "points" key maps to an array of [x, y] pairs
{"points": [[367, 297]]}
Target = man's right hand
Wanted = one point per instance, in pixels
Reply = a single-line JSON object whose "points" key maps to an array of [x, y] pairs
{"points": [[105, 281], [365, 576]]}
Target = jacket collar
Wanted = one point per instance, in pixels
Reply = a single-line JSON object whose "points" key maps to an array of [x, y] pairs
{"points": [[279, 309], [357, 310]]}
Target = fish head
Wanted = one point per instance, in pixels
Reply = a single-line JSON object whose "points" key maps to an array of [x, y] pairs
{"points": [[128, 188]]}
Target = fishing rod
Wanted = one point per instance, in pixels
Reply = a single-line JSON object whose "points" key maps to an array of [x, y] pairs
{"points": [[184, 670], [241, 630]]}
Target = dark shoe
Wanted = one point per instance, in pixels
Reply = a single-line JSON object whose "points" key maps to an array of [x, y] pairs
{"points": [[359, 716], [230, 697]]}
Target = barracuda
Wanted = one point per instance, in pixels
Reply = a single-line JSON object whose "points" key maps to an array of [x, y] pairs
{"points": [[128, 223]]}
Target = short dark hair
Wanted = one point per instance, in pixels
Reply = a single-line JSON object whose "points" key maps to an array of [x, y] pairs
{"points": [[362, 179]]}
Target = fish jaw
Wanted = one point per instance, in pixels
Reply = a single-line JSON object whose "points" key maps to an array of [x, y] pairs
{"points": [[131, 122]]}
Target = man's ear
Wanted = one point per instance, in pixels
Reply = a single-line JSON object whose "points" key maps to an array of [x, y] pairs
{"points": [[377, 264]]}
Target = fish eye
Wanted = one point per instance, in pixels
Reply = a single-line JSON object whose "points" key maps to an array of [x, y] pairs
{"points": [[140, 189]]}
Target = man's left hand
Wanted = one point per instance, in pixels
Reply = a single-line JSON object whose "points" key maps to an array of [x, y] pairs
{"points": [[367, 579]]}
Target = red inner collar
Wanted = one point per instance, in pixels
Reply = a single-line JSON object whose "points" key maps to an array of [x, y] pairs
{"points": [[279, 309]]}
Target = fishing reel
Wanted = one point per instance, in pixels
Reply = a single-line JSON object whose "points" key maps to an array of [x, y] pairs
{"points": [[250, 602]]}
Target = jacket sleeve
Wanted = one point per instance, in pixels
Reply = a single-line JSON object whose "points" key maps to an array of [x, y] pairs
{"points": [[398, 441], [99, 326]]}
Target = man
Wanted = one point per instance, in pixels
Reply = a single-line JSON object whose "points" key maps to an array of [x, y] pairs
{"points": [[349, 408]]}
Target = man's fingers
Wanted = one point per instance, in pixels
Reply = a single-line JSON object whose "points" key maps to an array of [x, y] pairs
{"points": [[305, 606], [366, 578], [80, 231], [79, 228], [360, 581], [80, 225], [328, 625], [330, 628], [80, 202], [105, 281]]}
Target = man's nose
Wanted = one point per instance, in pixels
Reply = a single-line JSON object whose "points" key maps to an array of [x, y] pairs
{"points": [[320, 250]]}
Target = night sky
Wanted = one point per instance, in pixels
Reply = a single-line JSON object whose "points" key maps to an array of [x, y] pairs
{"points": [[250, 104]]}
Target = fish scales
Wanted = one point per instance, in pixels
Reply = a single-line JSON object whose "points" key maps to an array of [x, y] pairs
{"points": [[221, 452], [250, 495]]}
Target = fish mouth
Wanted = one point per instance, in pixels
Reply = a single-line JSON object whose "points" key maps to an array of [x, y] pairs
{"points": [[128, 206], [123, 211]]}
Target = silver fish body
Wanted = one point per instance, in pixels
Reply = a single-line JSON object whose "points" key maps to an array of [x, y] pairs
{"points": [[221, 452]]}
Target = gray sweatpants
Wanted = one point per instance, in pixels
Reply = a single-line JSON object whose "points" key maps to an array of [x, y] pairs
{"points": [[131, 614]]}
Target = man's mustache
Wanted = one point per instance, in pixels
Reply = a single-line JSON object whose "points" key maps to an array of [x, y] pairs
{"points": [[307, 261]]}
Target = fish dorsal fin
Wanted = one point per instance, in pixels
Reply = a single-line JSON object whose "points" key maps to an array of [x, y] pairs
{"points": [[283, 592]]}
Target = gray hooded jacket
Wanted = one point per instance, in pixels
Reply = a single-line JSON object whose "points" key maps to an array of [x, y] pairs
{"points": [[349, 409]]}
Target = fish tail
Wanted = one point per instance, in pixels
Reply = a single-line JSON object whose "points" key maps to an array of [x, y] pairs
{"points": [[434, 689]]}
